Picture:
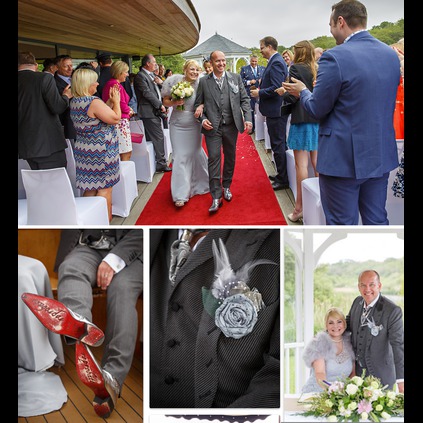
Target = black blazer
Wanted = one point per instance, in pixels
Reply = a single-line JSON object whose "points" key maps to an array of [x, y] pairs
{"points": [[298, 113], [65, 116], [40, 132], [192, 363]]}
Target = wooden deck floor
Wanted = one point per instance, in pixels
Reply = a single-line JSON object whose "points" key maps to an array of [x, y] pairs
{"points": [[145, 190], [78, 408]]}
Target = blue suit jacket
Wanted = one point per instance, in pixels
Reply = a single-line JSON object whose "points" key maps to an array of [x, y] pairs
{"points": [[274, 74], [354, 100], [247, 75]]}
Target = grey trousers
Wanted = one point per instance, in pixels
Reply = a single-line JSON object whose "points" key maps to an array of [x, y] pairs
{"points": [[77, 276]]}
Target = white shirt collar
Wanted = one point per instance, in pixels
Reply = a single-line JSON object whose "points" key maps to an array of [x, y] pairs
{"points": [[373, 302], [223, 75], [351, 35]]}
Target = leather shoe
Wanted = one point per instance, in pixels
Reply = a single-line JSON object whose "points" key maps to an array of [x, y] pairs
{"points": [[55, 316], [272, 177], [105, 387], [227, 195], [217, 202], [278, 186], [163, 169]]}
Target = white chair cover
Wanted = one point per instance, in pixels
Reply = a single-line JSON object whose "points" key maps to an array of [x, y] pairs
{"points": [[22, 164], [71, 168], [312, 207], [259, 124], [51, 201], [142, 154], [126, 190]]}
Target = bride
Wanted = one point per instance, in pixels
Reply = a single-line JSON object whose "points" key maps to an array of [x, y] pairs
{"points": [[189, 161], [329, 354]]}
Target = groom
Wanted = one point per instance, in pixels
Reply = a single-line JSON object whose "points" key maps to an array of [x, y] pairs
{"points": [[377, 332], [227, 111]]}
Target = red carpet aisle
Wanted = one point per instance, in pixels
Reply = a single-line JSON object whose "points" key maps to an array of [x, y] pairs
{"points": [[254, 201]]}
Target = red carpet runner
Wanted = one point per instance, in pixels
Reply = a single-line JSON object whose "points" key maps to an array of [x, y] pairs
{"points": [[253, 203]]}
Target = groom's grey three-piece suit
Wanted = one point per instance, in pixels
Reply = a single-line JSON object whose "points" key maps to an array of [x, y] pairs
{"points": [[77, 273], [226, 109], [380, 353]]}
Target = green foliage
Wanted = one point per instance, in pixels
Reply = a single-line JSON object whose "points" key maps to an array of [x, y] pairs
{"points": [[174, 62]]}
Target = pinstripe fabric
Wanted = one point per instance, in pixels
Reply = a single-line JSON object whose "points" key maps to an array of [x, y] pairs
{"points": [[192, 364]]}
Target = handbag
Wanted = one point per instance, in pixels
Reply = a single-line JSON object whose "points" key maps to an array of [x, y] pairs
{"points": [[286, 109]]}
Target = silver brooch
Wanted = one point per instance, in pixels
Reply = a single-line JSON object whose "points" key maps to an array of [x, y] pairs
{"points": [[374, 329]]}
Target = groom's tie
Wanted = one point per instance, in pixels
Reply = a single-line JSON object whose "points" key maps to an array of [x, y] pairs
{"points": [[219, 82], [255, 73]]}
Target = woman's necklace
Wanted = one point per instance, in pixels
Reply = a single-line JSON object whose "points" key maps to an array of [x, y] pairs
{"points": [[333, 340]]}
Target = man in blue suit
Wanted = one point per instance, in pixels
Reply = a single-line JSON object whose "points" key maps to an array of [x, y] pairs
{"points": [[270, 104], [355, 106], [251, 75]]}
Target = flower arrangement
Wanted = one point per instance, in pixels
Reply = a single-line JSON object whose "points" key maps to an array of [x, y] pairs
{"points": [[354, 399], [182, 89]]}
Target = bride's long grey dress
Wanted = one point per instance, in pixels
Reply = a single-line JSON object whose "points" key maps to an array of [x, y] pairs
{"points": [[189, 160]]}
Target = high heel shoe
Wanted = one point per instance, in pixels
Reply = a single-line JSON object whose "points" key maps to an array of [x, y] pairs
{"points": [[295, 216]]}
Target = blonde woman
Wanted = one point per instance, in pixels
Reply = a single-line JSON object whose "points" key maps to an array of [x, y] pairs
{"points": [[330, 354], [189, 161], [96, 145], [119, 71]]}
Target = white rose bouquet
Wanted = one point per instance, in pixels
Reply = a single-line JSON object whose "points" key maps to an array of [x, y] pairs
{"points": [[181, 90]]}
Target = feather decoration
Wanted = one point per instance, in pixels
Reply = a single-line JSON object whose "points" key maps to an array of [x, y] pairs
{"points": [[227, 282]]}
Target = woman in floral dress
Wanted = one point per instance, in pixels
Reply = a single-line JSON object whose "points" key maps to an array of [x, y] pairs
{"points": [[96, 146]]}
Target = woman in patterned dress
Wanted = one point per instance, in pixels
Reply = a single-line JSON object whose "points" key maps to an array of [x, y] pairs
{"points": [[96, 146]]}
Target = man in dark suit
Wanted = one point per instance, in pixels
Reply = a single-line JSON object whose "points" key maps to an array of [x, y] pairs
{"points": [[105, 62], [270, 106], [227, 112], [63, 78], [41, 140], [251, 75], [377, 332], [111, 259], [151, 109], [355, 109], [193, 361]]}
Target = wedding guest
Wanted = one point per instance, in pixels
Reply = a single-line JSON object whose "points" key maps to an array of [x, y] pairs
{"points": [[288, 56], [168, 72], [304, 130], [96, 147], [208, 68], [221, 122], [270, 106], [50, 65], [195, 362], [41, 140], [189, 161], [150, 109], [251, 75], [377, 332], [110, 259], [119, 72], [133, 103], [329, 354], [357, 146], [318, 51], [63, 78]]}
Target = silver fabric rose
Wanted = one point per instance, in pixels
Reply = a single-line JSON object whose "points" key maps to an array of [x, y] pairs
{"points": [[234, 87], [236, 317]]}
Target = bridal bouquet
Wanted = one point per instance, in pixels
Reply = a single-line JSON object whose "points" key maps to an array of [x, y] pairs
{"points": [[180, 90], [355, 399]]}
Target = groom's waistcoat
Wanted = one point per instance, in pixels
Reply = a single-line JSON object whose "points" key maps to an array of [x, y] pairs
{"points": [[225, 103]]}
